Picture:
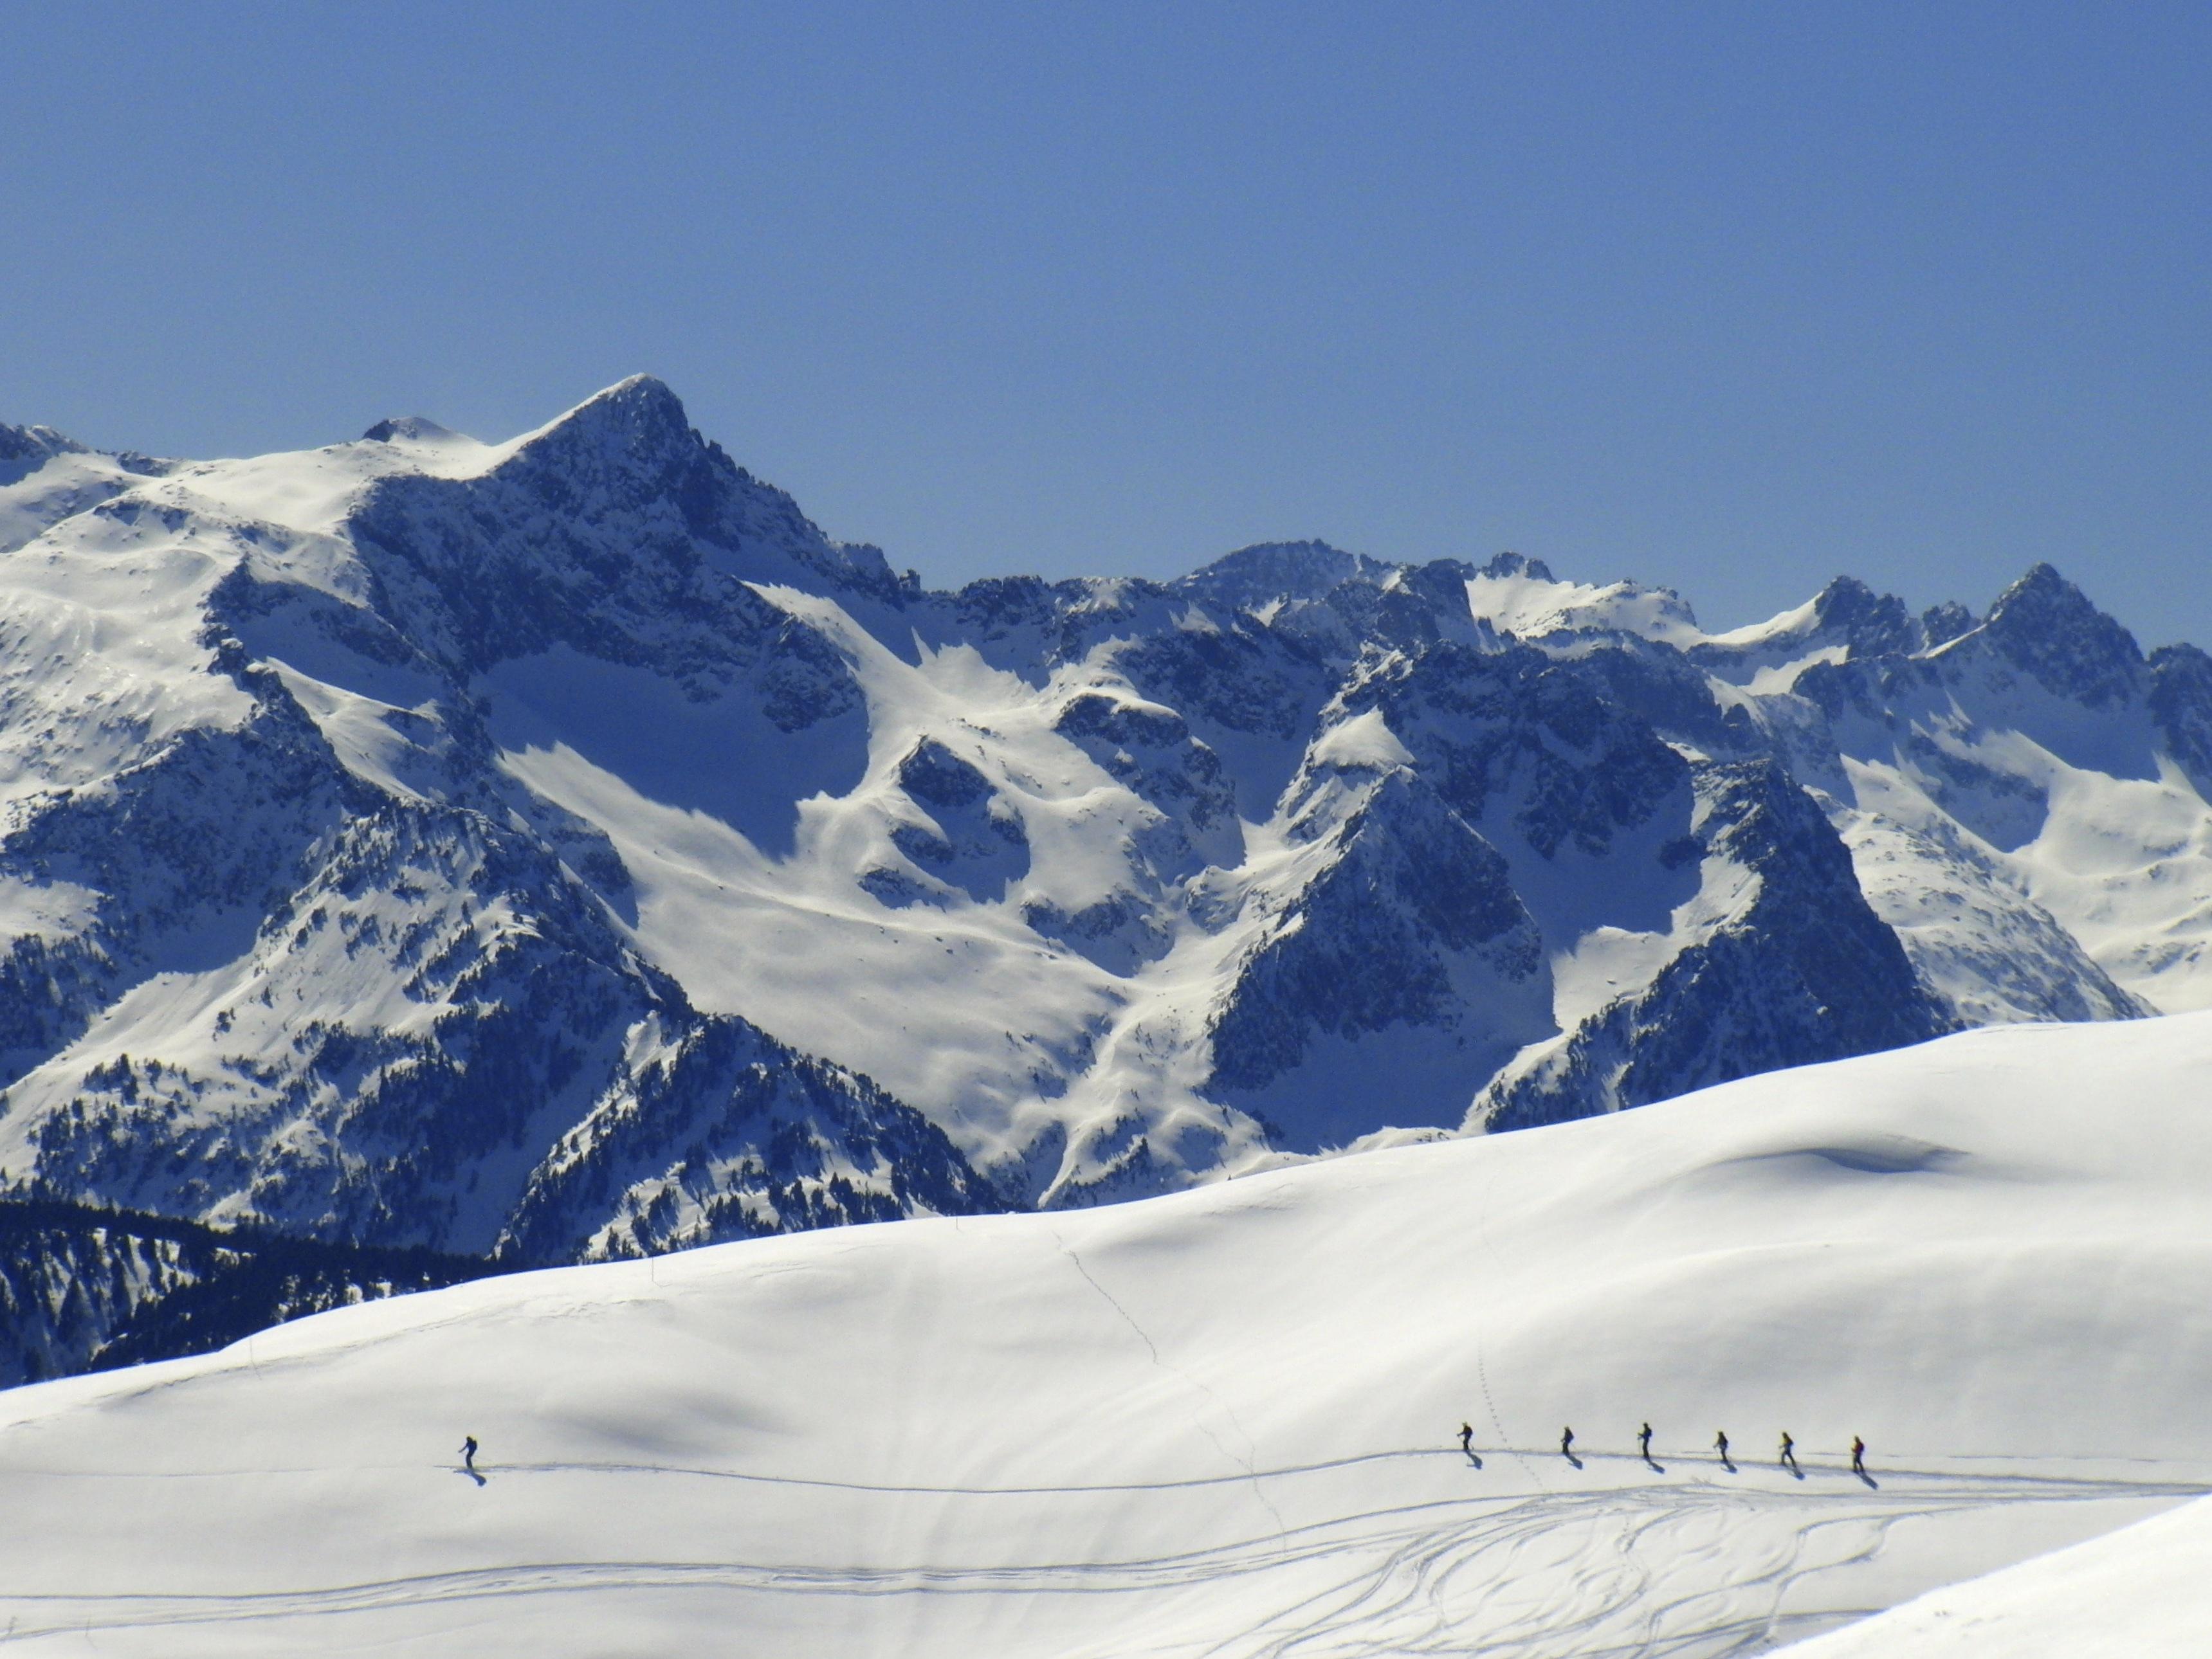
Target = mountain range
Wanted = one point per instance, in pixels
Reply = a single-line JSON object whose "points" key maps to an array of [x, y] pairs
{"points": [[561, 849]]}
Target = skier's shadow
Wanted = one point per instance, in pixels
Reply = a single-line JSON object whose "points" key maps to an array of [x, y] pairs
{"points": [[1796, 1473], [473, 1475], [1575, 1461], [1872, 1484], [1655, 1467], [1727, 1463], [1473, 1459]]}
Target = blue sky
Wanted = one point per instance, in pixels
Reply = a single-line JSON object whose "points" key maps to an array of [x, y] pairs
{"points": [[1729, 298]]}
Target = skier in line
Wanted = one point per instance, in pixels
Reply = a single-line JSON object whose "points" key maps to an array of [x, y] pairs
{"points": [[1720, 1444], [1643, 1441], [1567, 1444], [469, 1453], [1467, 1438], [1789, 1458], [1858, 1456]]}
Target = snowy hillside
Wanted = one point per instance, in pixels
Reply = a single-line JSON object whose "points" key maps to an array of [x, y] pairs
{"points": [[561, 848], [1223, 1422], [2139, 1593]]}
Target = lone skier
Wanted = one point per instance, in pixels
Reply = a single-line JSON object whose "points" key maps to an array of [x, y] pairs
{"points": [[1720, 1444], [469, 1454], [1643, 1441], [1567, 1444], [1467, 1438], [1789, 1458], [1858, 1457]]}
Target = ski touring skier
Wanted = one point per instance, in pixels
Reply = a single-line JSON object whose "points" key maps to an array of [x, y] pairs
{"points": [[1467, 1438], [469, 1453], [1858, 1456], [1720, 1444], [1643, 1441], [1567, 1444], [1789, 1458]]}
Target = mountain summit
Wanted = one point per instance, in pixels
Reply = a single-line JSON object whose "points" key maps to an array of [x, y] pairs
{"points": [[564, 847]]}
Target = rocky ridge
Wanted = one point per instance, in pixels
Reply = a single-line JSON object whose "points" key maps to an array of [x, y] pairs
{"points": [[562, 848]]}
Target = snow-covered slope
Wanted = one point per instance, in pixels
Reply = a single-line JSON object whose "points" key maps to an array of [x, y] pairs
{"points": [[1223, 1421], [562, 847], [2139, 1593]]}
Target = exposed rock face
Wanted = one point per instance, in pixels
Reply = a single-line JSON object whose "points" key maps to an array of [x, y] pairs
{"points": [[1801, 970], [563, 849], [723, 1134], [1410, 943]]}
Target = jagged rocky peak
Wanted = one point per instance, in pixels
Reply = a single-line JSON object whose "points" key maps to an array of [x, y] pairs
{"points": [[2046, 627], [616, 530], [1941, 624], [631, 435], [632, 449], [409, 429], [34, 443], [1846, 618], [1506, 565], [1266, 571], [1873, 624], [2181, 702], [641, 408]]}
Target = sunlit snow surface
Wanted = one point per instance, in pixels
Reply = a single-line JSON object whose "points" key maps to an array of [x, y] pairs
{"points": [[2140, 1593], [1223, 1423]]}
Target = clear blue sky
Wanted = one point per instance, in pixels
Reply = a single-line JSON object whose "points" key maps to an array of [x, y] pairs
{"points": [[1729, 298]]}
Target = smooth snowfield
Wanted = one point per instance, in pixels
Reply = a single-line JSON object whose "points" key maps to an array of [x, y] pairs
{"points": [[2140, 1593], [1223, 1423]]}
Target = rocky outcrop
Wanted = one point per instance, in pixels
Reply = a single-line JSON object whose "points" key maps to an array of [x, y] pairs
{"points": [[564, 849]]}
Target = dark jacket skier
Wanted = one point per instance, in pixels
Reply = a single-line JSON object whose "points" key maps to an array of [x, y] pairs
{"points": [[1720, 1444], [1643, 1441], [1467, 1438], [469, 1453], [1567, 1444], [1858, 1455], [1789, 1458]]}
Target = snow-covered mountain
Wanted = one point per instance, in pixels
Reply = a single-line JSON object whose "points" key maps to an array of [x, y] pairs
{"points": [[562, 848], [1225, 1421]]}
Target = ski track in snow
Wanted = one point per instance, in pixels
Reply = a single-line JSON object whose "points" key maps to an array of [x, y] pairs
{"points": [[1221, 1425], [1691, 1566], [1251, 1450]]}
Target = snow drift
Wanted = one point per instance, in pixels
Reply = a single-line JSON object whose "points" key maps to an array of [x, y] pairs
{"points": [[1223, 1421]]}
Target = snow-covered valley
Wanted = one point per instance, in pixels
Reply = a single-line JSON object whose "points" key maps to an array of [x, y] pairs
{"points": [[1225, 1421]]}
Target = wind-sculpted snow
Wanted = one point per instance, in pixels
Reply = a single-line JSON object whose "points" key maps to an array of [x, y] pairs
{"points": [[563, 846], [1226, 1422]]}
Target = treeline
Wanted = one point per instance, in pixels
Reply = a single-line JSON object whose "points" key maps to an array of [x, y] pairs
{"points": [[85, 1289]]}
